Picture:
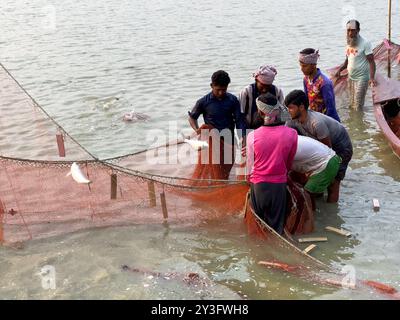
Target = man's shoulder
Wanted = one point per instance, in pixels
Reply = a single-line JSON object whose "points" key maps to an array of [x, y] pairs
{"points": [[204, 99], [247, 88], [232, 97], [315, 117], [364, 40], [326, 79]]}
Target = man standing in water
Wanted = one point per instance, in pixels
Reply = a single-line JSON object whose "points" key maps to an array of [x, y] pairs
{"points": [[360, 65], [221, 113], [323, 128], [270, 150], [317, 86]]}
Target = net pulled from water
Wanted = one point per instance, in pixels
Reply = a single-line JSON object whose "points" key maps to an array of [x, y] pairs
{"points": [[40, 198], [175, 182]]}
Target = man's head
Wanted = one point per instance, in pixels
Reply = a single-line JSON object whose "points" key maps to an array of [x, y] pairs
{"points": [[352, 32], [271, 110], [297, 103], [264, 76], [308, 59], [219, 83]]}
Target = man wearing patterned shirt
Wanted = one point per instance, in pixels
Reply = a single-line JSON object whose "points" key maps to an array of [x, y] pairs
{"points": [[317, 86]]}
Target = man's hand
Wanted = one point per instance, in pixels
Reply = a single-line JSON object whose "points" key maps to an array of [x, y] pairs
{"points": [[373, 82], [243, 151]]}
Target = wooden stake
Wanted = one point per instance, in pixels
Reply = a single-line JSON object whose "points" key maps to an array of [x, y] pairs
{"points": [[246, 203], [60, 144], [339, 231], [164, 205], [152, 193], [317, 239], [309, 248], [376, 204], [113, 186]]}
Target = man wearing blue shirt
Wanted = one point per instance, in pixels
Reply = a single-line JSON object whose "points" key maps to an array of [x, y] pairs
{"points": [[221, 111]]}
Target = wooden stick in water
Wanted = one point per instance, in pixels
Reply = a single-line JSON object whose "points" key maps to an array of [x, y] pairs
{"points": [[152, 193], [316, 239], [339, 231], [113, 186], [309, 248], [376, 204], [164, 205], [60, 144]]}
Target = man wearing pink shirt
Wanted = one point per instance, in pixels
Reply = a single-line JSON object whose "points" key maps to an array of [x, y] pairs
{"points": [[270, 151]]}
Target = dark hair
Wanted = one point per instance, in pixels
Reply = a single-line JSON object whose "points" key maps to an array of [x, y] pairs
{"points": [[268, 98], [220, 78], [307, 51], [297, 97], [357, 23]]}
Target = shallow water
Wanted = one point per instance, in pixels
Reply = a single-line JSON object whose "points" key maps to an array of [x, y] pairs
{"points": [[156, 57]]}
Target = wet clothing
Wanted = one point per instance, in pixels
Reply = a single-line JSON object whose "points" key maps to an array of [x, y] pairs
{"points": [[270, 153], [319, 182], [220, 114], [320, 126], [321, 96], [247, 98], [358, 91], [269, 203]]}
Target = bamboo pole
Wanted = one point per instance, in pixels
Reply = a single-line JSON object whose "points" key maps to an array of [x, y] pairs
{"points": [[164, 205], [113, 186], [152, 193], [60, 145], [389, 37]]}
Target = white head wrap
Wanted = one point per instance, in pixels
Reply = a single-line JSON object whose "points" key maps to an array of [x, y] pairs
{"points": [[274, 114]]}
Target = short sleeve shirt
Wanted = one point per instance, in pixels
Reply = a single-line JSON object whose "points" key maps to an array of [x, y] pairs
{"points": [[358, 65]]}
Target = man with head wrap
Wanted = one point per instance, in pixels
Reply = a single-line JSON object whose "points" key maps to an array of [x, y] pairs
{"points": [[270, 150], [360, 65], [317, 86], [264, 77]]}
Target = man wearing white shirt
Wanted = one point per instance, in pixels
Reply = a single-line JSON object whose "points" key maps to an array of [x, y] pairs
{"points": [[360, 65], [319, 162]]}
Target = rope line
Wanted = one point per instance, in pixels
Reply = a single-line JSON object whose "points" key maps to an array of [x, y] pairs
{"points": [[45, 112]]}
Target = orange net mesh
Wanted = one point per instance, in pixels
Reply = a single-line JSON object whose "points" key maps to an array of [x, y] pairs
{"points": [[38, 199]]}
